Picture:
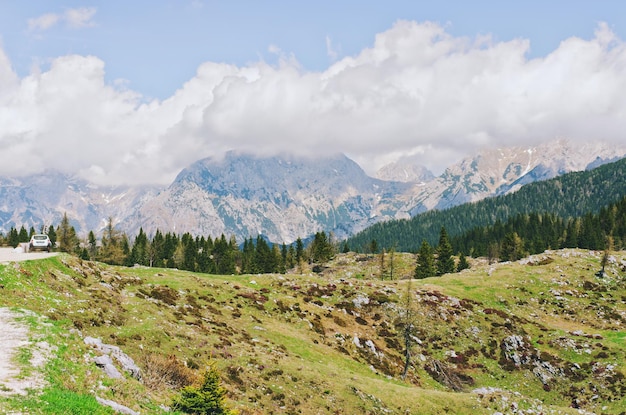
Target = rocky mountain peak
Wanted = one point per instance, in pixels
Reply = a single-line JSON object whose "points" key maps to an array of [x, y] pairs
{"points": [[284, 197]]}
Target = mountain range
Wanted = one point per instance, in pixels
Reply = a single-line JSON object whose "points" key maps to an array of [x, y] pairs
{"points": [[284, 197]]}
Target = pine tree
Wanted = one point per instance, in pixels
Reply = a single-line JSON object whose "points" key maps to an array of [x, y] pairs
{"points": [[512, 247], [445, 262], [92, 245], [321, 248], [190, 252], [264, 257], [139, 251], [52, 234], [68, 241], [373, 246], [23, 235], [14, 237], [208, 398], [345, 248], [291, 257], [463, 264], [299, 254], [112, 251], [425, 267], [283, 259]]}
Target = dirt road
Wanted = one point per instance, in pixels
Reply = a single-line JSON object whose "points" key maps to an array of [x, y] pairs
{"points": [[15, 335], [11, 255]]}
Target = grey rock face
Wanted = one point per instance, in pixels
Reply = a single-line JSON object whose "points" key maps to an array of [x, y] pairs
{"points": [[126, 363], [286, 197]]}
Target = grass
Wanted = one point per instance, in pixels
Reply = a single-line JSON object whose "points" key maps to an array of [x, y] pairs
{"points": [[286, 343]]}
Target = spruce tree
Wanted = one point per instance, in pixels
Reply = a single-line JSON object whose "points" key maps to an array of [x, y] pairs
{"points": [[208, 398], [91, 241], [66, 234], [52, 234], [14, 237], [23, 235], [463, 264], [425, 267], [112, 251], [445, 262], [512, 247]]}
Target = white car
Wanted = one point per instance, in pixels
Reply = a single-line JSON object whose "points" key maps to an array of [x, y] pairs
{"points": [[40, 241]]}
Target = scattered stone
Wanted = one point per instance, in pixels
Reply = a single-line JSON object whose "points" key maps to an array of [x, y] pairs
{"points": [[127, 364], [116, 406], [106, 364]]}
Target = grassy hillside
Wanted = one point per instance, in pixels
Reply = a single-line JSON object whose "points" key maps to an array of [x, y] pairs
{"points": [[542, 335]]}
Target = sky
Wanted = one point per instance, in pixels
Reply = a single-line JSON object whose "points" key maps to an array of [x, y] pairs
{"points": [[132, 92]]}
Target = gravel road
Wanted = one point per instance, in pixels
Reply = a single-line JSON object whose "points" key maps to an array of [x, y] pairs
{"points": [[15, 335], [11, 255]]}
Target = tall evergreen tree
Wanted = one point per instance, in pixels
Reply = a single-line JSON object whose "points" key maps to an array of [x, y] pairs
{"points": [[66, 235], [139, 251], [512, 247], [112, 251], [91, 245], [444, 262], [190, 252], [52, 235], [264, 259], [291, 257], [23, 235], [463, 264], [14, 237], [283, 259], [321, 248], [425, 267]]}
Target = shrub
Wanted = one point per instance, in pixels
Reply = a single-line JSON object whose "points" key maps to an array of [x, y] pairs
{"points": [[166, 372], [206, 398]]}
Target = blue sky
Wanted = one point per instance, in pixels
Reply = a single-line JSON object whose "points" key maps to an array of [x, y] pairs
{"points": [[157, 45], [163, 83]]}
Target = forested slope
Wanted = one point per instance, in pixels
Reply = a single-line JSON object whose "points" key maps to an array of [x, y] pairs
{"points": [[570, 195]]}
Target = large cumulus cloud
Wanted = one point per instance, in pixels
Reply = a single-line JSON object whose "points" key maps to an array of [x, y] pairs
{"points": [[417, 90]]}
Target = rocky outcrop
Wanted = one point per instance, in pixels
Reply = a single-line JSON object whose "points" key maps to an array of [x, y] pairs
{"points": [[105, 359]]}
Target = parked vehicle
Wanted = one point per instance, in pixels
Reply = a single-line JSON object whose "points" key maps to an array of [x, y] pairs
{"points": [[40, 241]]}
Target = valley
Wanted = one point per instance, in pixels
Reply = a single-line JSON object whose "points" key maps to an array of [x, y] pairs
{"points": [[539, 335]]}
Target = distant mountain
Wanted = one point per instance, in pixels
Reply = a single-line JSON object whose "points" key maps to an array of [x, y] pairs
{"points": [[568, 196], [286, 197], [495, 172], [282, 197], [406, 169], [43, 199]]}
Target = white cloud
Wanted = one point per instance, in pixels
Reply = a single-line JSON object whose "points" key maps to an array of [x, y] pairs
{"points": [[73, 18], [43, 22], [417, 90], [331, 50], [80, 17]]}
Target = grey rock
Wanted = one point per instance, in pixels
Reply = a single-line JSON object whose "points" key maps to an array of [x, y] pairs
{"points": [[126, 362], [107, 366], [116, 406]]}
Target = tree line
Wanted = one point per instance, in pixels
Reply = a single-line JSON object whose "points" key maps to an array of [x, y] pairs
{"points": [[534, 233], [571, 195], [205, 254]]}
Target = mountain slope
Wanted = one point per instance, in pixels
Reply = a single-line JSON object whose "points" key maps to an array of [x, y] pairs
{"points": [[500, 171], [285, 197], [42, 200], [570, 195], [542, 335], [281, 197]]}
